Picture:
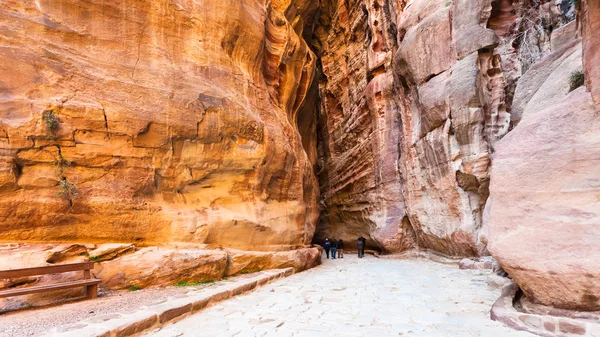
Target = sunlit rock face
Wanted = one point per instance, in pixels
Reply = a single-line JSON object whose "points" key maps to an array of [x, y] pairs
{"points": [[157, 121]]}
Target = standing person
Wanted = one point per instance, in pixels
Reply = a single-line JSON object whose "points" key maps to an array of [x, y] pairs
{"points": [[360, 246], [333, 248], [327, 246], [340, 249]]}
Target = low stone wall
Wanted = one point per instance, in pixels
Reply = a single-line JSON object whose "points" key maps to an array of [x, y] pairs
{"points": [[504, 311], [128, 324], [126, 266]]}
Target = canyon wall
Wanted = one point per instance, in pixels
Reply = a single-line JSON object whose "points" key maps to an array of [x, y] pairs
{"points": [[458, 126], [158, 121], [449, 125], [414, 95], [359, 128]]}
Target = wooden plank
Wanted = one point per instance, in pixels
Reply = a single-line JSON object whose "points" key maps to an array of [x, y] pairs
{"points": [[61, 268], [50, 287], [91, 291]]}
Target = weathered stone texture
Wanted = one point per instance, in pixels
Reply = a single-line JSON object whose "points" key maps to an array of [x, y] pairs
{"points": [[177, 121], [544, 209], [451, 114], [590, 26], [446, 73], [359, 129]]}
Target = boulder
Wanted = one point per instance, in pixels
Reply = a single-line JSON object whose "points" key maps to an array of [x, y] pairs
{"points": [[544, 204], [155, 266], [242, 262], [426, 49]]}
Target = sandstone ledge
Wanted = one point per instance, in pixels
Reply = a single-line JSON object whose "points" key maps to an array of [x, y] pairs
{"points": [[126, 266], [120, 325], [504, 311]]}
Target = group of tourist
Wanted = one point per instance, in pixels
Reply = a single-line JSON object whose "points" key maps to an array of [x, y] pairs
{"points": [[336, 247]]}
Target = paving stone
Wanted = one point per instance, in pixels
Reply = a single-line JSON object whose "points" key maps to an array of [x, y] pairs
{"points": [[358, 297]]}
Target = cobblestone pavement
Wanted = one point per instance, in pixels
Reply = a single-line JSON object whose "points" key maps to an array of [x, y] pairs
{"points": [[357, 297]]}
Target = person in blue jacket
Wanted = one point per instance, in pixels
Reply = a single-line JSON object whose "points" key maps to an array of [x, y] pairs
{"points": [[327, 246]]}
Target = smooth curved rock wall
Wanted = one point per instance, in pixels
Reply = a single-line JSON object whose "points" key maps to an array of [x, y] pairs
{"points": [[177, 122]]}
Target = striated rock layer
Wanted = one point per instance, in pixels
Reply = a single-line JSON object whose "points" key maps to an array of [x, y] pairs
{"points": [[157, 121], [359, 128]]}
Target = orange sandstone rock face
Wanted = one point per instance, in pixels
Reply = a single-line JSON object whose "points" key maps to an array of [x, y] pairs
{"points": [[157, 121]]}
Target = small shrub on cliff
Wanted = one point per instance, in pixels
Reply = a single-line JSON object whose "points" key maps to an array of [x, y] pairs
{"points": [[94, 258], [51, 121], [577, 80], [61, 162], [68, 191], [577, 4]]}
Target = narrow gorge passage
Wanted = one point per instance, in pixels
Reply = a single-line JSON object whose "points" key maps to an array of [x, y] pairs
{"points": [[351, 297]]}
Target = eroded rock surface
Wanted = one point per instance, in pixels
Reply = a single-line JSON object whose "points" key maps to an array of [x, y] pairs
{"points": [[544, 204], [359, 128], [157, 121], [445, 75]]}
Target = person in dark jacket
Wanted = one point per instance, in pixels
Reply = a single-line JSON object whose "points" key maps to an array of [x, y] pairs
{"points": [[327, 246], [360, 246], [333, 248], [340, 249]]}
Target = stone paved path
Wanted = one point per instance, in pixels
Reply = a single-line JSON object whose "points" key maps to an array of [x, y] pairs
{"points": [[357, 297]]}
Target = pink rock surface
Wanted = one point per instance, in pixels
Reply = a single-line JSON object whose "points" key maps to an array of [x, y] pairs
{"points": [[545, 190], [590, 24]]}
